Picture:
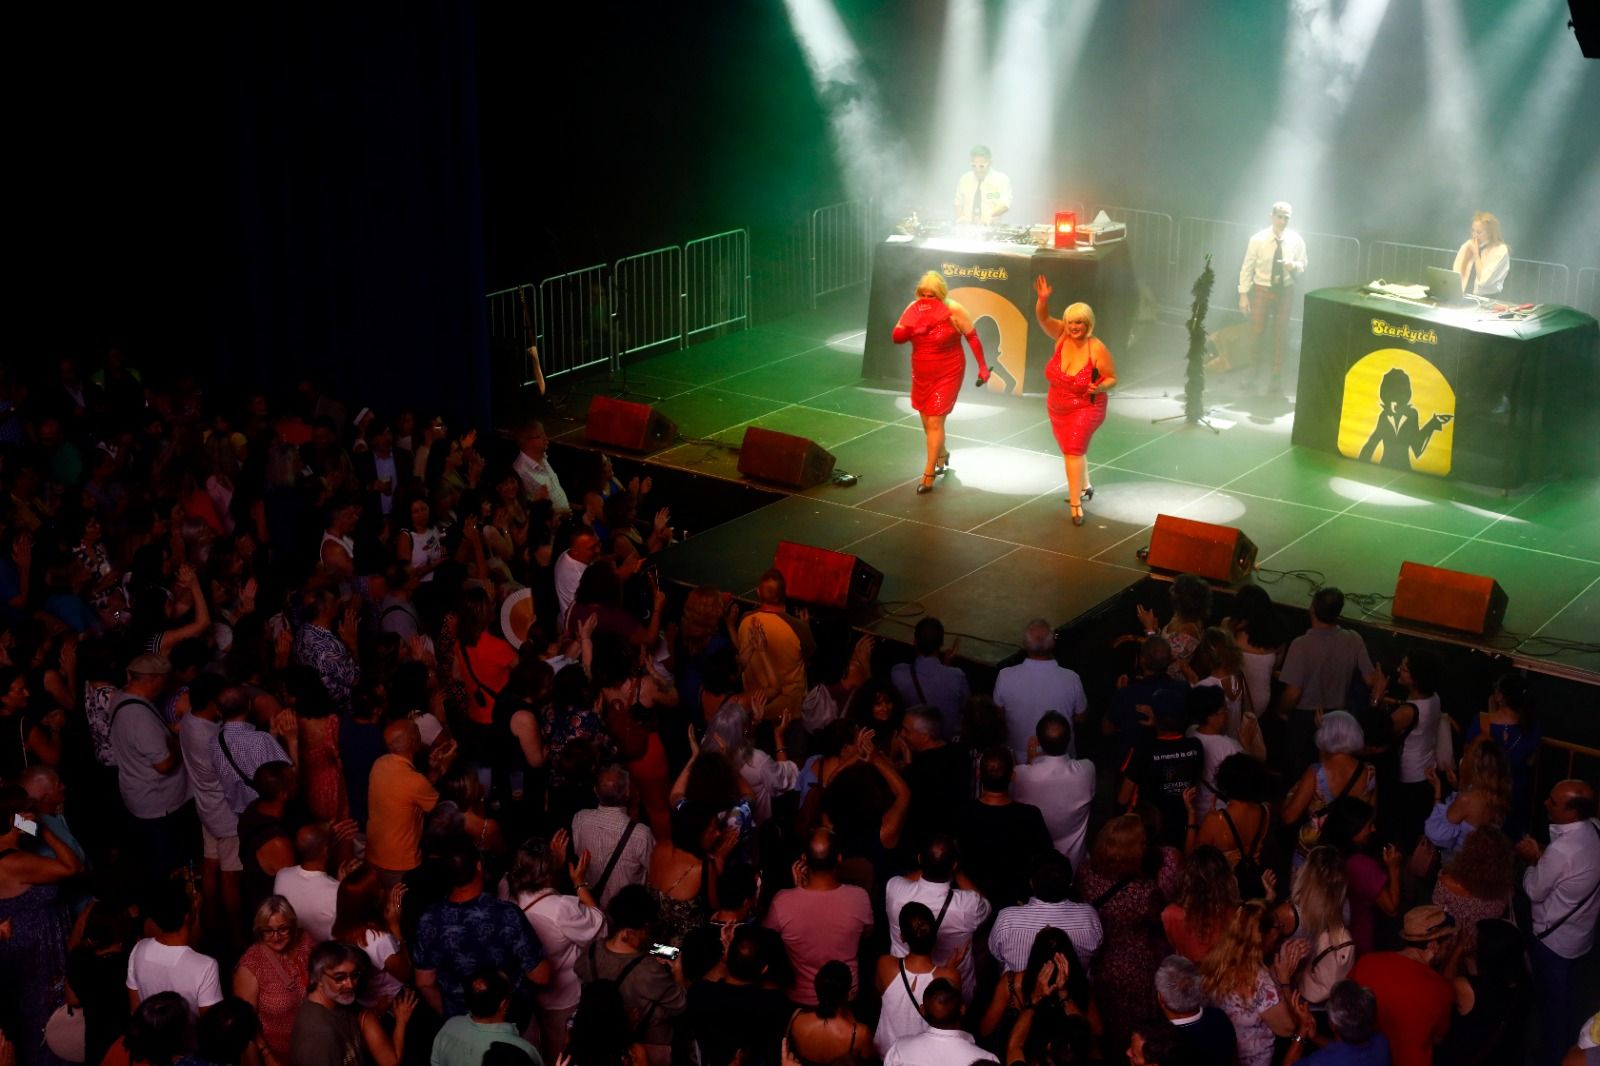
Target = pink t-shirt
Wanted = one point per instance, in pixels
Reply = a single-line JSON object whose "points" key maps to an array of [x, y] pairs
{"points": [[819, 927], [1366, 878]]}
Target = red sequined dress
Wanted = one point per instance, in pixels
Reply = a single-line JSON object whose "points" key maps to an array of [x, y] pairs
{"points": [[937, 361], [1074, 413]]}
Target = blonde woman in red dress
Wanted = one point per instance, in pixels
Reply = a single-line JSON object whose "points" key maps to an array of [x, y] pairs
{"points": [[935, 324], [1080, 373]]}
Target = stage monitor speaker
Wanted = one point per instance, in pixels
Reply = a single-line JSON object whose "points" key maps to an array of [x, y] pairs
{"points": [[1182, 545], [634, 427], [783, 458], [828, 578], [1470, 603]]}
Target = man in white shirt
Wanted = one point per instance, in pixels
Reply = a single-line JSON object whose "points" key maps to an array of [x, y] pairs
{"points": [[309, 888], [570, 566], [532, 466], [165, 962], [957, 905], [221, 867], [943, 1043], [1014, 929], [1273, 260], [1208, 709], [1563, 883], [983, 194], [1035, 685], [1059, 785], [604, 832]]}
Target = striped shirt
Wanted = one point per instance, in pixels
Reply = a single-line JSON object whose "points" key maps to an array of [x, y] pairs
{"points": [[251, 749], [1014, 930]]}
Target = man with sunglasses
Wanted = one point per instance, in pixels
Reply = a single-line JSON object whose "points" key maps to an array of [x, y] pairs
{"points": [[1273, 261]]}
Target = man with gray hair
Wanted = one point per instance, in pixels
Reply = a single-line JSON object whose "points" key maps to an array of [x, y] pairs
{"points": [[619, 847], [1353, 1014], [1061, 786], [1273, 260], [1036, 685], [1206, 1033], [939, 774]]}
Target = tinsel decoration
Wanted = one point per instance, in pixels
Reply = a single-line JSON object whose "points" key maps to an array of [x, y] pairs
{"points": [[1195, 379]]}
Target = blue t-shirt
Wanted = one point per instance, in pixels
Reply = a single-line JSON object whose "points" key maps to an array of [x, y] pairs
{"points": [[1374, 1052], [454, 939]]}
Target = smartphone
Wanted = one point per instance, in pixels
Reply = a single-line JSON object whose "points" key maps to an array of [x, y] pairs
{"points": [[664, 951], [29, 826]]}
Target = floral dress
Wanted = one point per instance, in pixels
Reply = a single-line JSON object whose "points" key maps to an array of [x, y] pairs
{"points": [[1124, 969], [281, 985], [1254, 1037]]}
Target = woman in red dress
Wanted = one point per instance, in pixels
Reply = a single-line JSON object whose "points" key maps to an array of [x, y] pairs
{"points": [[1080, 373], [935, 324]]}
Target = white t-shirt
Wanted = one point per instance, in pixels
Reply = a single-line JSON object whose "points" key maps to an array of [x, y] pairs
{"points": [[1217, 748], [564, 926], [568, 573], [381, 984], [155, 967], [968, 910], [313, 895], [1063, 789]]}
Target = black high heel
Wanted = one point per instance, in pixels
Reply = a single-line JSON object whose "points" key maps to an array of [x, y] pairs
{"points": [[925, 486], [943, 464], [1087, 494]]}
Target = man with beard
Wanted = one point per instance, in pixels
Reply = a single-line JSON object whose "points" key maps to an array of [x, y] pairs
{"points": [[330, 1029]]}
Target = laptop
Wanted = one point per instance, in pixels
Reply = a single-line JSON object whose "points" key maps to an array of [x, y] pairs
{"points": [[1444, 287]]}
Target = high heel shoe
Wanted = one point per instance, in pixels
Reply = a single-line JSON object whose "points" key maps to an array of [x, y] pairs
{"points": [[1077, 514], [925, 486], [1087, 494], [943, 465]]}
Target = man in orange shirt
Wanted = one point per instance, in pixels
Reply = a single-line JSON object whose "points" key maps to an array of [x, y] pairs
{"points": [[398, 797], [777, 645]]}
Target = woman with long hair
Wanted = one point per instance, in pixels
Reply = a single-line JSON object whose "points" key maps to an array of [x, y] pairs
{"points": [[1316, 906], [684, 868], [1476, 884], [1080, 372], [935, 324], [1484, 259], [1208, 895], [1118, 883], [1259, 634], [1051, 953], [1371, 884], [1484, 799], [368, 916], [1237, 979], [1241, 824], [1508, 722]]}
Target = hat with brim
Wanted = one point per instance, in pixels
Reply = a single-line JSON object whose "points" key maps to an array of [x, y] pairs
{"points": [[1427, 923], [517, 617]]}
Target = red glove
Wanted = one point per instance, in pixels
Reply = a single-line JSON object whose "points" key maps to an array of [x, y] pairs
{"points": [[977, 353], [901, 334]]}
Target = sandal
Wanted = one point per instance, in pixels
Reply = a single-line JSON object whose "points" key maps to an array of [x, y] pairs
{"points": [[1077, 513], [925, 486]]}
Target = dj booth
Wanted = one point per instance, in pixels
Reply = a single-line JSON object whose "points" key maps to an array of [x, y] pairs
{"points": [[1458, 392], [994, 281]]}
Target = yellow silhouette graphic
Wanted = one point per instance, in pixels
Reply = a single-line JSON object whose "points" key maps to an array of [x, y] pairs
{"points": [[1010, 357], [1400, 385]]}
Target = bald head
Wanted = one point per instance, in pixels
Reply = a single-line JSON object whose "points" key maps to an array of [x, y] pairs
{"points": [[1571, 801], [44, 788], [311, 843], [402, 738], [822, 852]]}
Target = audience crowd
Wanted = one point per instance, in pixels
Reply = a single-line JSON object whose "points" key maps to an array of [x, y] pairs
{"points": [[330, 738]]}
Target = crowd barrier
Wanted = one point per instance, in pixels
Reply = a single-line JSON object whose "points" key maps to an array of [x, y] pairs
{"points": [[842, 238]]}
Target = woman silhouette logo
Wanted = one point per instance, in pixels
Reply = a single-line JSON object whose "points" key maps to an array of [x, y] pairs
{"points": [[1401, 385]]}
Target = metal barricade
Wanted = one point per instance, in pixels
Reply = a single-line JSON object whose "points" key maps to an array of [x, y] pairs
{"points": [[1586, 294], [1225, 242], [1331, 260], [842, 236], [1150, 240], [716, 276], [1405, 263], [1535, 281], [647, 301], [508, 329], [574, 317]]}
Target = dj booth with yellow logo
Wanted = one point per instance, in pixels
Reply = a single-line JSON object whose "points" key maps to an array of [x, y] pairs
{"points": [[1458, 392], [994, 281]]}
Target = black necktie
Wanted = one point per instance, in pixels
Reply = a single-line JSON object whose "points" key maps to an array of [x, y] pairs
{"points": [[977, 201], [1277, 263]]}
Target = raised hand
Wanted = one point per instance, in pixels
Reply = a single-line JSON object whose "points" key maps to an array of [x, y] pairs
{"points": [[405, 1001], [558, 845], [1147, 618], [1041, 286]]}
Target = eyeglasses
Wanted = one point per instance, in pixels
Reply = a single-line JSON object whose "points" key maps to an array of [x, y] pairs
{"points": [[340, 977], [276, 930]]}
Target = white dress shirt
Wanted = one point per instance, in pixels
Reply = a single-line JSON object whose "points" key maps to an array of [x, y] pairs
{"points": [[1257, 266], [1062, 788], [937, 1047], [1564, 877], [1029, 690], [996, 197], [536, 473], [1011, 939], [967, 911]]}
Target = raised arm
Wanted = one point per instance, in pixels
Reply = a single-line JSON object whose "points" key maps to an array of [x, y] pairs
{"points": [[1041, 309]]}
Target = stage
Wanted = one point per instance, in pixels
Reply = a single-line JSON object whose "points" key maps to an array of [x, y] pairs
{"points": [[993, 546]]}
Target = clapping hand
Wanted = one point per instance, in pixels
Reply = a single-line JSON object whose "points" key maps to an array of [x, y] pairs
{"points": [[1147, 618], [1291, 953]]}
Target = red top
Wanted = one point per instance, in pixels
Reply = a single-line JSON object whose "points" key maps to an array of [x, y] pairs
{"points": [[1414, 1004]]}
